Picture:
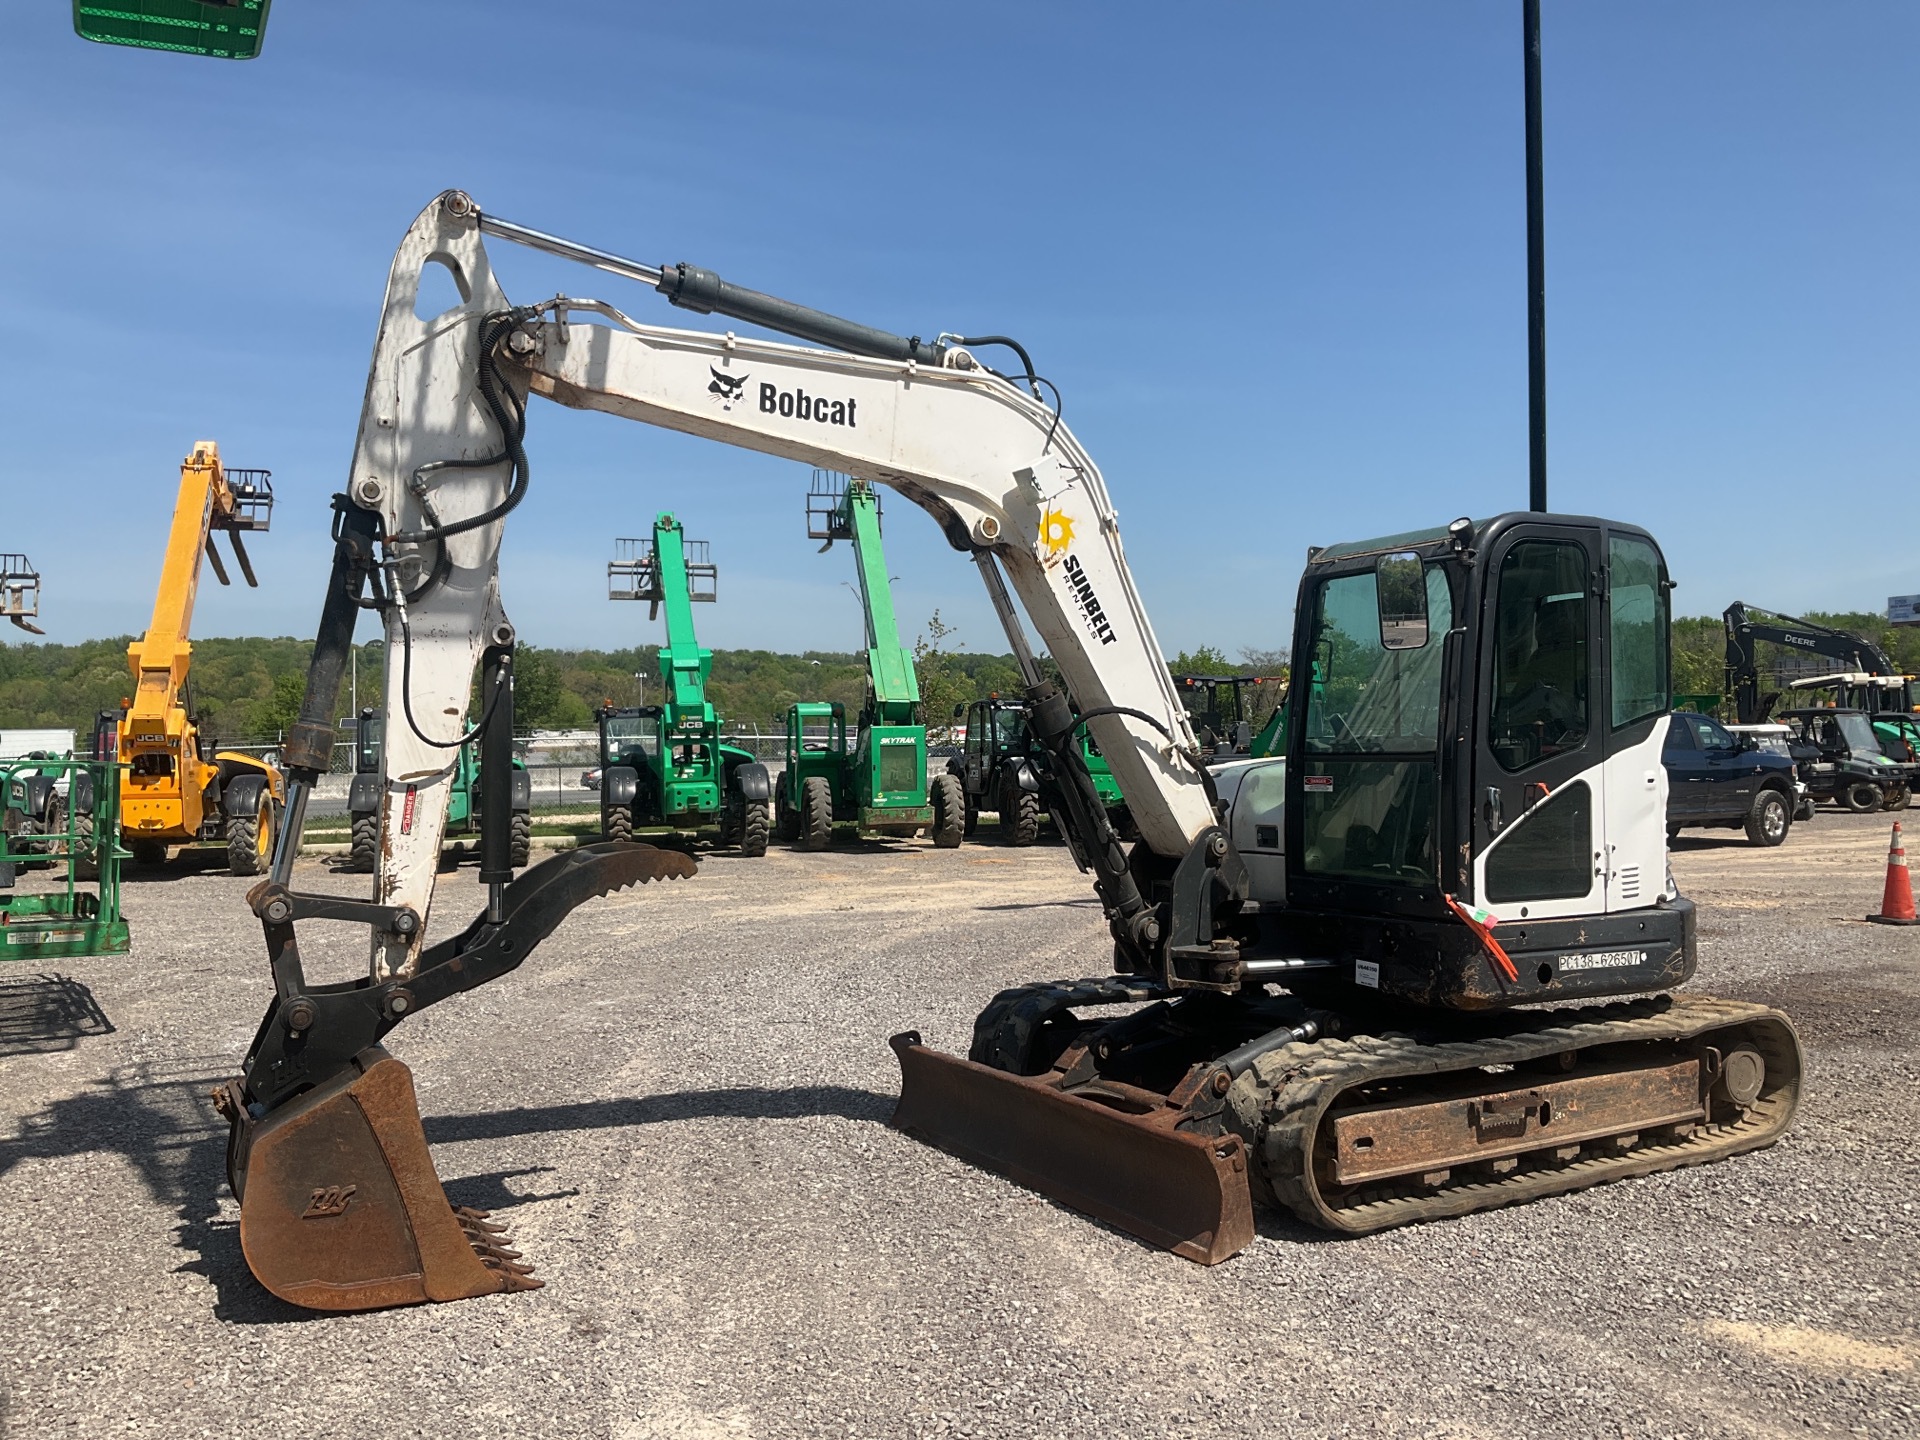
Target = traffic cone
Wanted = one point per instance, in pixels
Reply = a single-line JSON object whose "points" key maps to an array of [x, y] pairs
{"points": [[1896, 905]]}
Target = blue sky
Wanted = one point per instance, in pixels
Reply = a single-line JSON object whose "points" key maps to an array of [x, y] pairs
{"points": [[1272, 255]]}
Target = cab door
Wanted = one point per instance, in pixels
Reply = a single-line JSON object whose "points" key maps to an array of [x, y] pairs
{"points": [[1539, 813]]}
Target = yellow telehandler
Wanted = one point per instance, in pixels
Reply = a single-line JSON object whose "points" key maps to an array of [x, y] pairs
{"points": [[172, 790]]}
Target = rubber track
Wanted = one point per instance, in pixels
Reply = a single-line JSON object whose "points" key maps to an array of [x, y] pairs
{"points": [[1003, 1031], [1287, 1094]]}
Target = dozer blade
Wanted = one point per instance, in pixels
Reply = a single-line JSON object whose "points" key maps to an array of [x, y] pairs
{"points": [[340, 1208], [1183, 1192]]}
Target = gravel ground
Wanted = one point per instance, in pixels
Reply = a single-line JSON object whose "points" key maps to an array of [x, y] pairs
{"points": [[680, 1108]]}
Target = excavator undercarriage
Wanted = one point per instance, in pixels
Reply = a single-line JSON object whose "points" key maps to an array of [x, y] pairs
{"points": [[1171, 1120]]}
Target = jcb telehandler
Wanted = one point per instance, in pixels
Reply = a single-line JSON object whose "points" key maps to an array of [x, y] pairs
{"points": [[175, 787], [877, 777], [665, 764], [1319, 1006], [463, 798]]}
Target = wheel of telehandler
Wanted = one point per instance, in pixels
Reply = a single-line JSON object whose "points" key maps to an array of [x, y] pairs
{"points": [[86, 862], [786, 824], [520, 845], [148, 852], [755, 825], [619, 822], [816, 812], [250, 841], [949, 803], [1861, 796], [1019, 813], [365, 844]]}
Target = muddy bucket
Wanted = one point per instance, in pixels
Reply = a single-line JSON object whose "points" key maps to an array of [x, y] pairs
{"points": [[340, 1208]]}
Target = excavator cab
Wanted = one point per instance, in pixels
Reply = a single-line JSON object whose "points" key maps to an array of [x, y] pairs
{"points": [[1482, 723]]}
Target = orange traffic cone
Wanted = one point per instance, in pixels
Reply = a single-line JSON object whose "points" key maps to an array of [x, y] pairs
{"points": [[1896, 905]]}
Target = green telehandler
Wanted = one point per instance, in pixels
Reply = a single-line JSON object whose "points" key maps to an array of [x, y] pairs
{"points": [[665, 764], [879, 780], [463, 798], [1002, 768]]}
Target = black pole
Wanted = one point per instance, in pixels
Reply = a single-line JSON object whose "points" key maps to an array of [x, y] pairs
{"points": [[1536, 275]]}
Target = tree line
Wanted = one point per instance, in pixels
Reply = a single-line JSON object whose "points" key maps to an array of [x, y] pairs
{"points": [[250, 688]]}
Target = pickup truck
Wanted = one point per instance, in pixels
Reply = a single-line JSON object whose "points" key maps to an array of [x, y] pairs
{"points": [[1715, 777]]}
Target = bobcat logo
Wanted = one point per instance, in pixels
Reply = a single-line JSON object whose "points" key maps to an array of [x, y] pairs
{"points": [[333, 1200], [728, 387]]}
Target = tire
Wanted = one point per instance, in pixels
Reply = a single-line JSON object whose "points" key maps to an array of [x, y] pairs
{"points": [[949, 803], [1019, 813], [1899, 799], [1769, 819], [816, 812], [618, 824], [786, 821], [250, 841], [520, 846], [755, 825], [1861, 796], [86, 860], [365, 844], [148, 852], [1673, 833]]}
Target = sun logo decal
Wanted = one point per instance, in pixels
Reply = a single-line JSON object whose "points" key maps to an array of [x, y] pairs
{"points": [[1056, 532]]}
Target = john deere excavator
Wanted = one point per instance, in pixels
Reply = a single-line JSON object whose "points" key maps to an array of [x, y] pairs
{"points": [[877, 777], [172, 790], [1322, 1007]]}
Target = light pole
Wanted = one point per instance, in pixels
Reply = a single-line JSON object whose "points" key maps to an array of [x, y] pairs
{"points": [[1536, 271]]}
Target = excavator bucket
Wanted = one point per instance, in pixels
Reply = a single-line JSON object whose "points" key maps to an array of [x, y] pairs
{"points": [[340, 1208], [1126, 1165]]}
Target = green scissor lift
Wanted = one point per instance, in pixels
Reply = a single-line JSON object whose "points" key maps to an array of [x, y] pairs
{"points": [[879, 780], [664, 764]]}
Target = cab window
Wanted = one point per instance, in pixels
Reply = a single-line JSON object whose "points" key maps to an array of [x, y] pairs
{"points": [[1541, 625], [1637, 629]]}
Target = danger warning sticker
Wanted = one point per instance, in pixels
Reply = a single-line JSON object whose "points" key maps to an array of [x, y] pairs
{"points": [[406, 810], [1318, 782]]}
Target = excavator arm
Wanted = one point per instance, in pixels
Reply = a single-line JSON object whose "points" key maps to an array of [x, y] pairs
{"points": [[323, 1118], [1748, 624]]}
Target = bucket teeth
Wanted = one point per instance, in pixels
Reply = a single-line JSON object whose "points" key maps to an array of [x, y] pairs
{"points": [[489, 1243]]}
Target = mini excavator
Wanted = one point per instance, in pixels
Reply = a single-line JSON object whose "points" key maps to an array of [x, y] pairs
{"points": [[1310, 999]]}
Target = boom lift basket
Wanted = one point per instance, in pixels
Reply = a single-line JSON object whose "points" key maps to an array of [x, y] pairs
{"points": [[19, 591], [634, 572], [828, 518], [79, 914], [252, 499]]}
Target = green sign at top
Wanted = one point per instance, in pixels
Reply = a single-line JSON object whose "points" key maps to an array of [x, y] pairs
{"points": [[224, 29]]}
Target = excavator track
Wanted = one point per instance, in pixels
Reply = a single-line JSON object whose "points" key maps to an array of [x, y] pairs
{"points": [[1139, 1121], [1298, 1096]]}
